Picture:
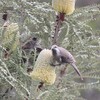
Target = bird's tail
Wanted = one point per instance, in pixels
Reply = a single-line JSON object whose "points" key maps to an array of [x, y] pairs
{"points": [[77, 70]]}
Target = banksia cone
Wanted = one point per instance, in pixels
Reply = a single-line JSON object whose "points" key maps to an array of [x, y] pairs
{"points": [[64, 6], [10, 38], [43, 70]]}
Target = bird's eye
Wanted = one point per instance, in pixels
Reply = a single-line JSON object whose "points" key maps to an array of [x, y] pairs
{"points": [[55, 47]]}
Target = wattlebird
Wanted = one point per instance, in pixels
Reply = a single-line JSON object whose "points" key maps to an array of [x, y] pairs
{"points": [[63, 56]]}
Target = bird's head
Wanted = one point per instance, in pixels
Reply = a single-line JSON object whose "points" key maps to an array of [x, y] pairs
{"points": [[54, 46], [55, 50]]}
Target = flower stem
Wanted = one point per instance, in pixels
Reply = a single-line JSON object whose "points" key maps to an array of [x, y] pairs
{"points": [[59, 20]]}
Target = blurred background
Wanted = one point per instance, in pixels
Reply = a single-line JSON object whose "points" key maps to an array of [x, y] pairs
{"points": [[80, 34]]}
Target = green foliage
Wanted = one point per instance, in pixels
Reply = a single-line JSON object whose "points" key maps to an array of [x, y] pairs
{"points": [[77, 35]]}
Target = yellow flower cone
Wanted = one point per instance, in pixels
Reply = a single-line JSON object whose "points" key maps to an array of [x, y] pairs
{"points": [[10, 38], [43, 71], [64, 6]]}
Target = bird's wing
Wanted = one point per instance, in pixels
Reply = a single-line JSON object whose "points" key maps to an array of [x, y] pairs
{"points": [[66, 55]]}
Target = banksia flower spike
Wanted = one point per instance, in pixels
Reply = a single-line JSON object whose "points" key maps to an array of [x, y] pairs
{"points": [[10, 38], [63, 7], [43, 71]]}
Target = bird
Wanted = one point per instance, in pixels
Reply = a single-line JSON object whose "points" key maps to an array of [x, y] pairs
{"points": [[63, 56], [30, 46]]}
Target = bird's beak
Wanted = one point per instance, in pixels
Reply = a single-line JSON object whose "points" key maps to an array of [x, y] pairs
{"points": [[77, 70]]}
